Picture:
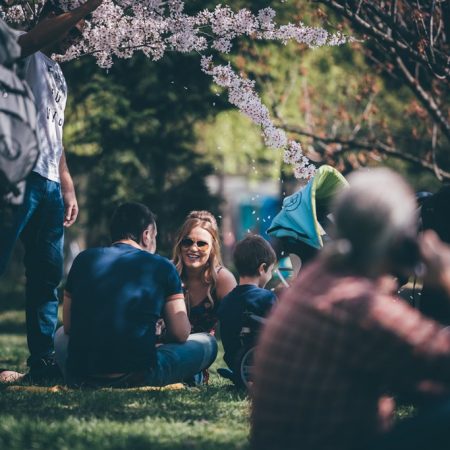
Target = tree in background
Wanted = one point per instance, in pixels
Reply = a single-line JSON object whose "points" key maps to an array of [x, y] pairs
{"points": [[130, 136], [153, 131], [406, 45]]}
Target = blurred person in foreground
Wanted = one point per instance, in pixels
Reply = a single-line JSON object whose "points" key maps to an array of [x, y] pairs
{"points": [[340, 344]]}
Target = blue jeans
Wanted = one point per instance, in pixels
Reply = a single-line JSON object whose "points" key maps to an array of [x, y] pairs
{"points": [[39, 224], [174, 362]]}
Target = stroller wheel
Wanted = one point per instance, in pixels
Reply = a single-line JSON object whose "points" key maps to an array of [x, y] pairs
{"points": [[245, 367]]}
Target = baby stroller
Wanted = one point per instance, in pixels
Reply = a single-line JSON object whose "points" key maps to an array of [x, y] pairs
{"points": [[300, 225]]}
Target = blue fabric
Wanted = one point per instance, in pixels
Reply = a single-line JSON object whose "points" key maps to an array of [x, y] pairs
{"points": [[178, 362], [174, 362], [302, 211], [118, 294], [243, 298], [39, 223]]}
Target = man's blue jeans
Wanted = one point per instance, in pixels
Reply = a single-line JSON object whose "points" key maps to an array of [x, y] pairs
{"points": [[39, 224], [175, 362]]}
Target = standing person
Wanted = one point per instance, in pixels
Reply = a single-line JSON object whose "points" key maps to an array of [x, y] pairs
{"points": [[49, 203], [113, 300], [340, 342], [254, 260], [206, 281]]}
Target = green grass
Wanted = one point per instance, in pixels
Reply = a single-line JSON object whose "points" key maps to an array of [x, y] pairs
{"points": [[209, 417]]}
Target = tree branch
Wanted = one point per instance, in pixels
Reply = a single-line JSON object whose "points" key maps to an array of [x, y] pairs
{"points": [[385, 39], [424, 97], [349, 145]]}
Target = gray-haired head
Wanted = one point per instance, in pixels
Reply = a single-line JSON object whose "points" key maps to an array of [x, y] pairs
{"points": [[372, 218]]}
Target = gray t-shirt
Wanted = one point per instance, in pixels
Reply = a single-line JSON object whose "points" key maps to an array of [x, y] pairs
{"points": [[49, 88]]}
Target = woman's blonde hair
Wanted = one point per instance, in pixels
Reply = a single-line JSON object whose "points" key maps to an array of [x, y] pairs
{"points": [[215, 258], [204, 215]]}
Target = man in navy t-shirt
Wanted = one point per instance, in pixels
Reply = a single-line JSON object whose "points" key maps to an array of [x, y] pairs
{"points": [[254, 259], [113, 300]]}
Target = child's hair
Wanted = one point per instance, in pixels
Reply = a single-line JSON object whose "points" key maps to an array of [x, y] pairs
{"points": [[250, 253]]}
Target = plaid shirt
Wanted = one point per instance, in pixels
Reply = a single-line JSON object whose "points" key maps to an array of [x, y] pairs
{"points": [[332, 348]]}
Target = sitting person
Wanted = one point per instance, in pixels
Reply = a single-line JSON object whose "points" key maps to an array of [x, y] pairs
{"points": [[113, 299], [340, 342], [254, 259], [206, 281]]}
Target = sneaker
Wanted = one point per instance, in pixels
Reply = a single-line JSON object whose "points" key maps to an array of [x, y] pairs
{"points": [[45, 369], [195, 381], [226, 373]]}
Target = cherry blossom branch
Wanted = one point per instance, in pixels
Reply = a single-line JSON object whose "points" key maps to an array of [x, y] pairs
{"points": [[241, 94], [122, 27]]}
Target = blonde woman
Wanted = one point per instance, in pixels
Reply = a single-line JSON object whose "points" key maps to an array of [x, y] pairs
{"points": [[198, 260]]}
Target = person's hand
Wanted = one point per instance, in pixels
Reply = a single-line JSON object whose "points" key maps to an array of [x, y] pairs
{"points": [[436, 257], [70, 207]]}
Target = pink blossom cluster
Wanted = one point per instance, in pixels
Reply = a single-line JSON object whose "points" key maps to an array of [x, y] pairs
{"points": [[241, 94], [15, 14], [119, 28]]}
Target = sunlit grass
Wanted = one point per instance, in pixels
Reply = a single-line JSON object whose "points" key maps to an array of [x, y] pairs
{"points": [[212, 417], [209, 417]]}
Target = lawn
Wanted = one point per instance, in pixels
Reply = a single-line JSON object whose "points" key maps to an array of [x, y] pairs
{"points": [[209, 417]]}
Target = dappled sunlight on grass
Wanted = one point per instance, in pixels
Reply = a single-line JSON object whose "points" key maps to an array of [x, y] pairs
{"points": [[209, 417], [151, 432], [12, 322], [13, 351]]}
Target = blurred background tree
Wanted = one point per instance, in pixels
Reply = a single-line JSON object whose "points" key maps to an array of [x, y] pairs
{"points": [[130, 135], [155, 131], [395, 97]]}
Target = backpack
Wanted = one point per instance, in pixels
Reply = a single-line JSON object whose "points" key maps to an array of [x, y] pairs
{"points": [[19, 143]]}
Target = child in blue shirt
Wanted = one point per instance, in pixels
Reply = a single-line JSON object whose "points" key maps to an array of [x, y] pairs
{"points": [[254, 260]]}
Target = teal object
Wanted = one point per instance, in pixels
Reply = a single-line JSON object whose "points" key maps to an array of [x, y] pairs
{"points": [[298, 218], [284, 268]]}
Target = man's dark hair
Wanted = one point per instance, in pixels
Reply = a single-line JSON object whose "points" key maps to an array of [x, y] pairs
{"points": [[130, 220], [250, 253]]}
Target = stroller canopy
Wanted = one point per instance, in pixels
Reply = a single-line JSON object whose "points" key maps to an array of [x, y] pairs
{"points": [[302, 212]]}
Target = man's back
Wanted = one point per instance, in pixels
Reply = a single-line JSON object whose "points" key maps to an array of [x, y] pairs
{"points": [[118, 293]]}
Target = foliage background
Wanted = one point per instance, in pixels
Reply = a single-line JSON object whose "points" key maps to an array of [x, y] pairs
{"points": [[154, 132]]}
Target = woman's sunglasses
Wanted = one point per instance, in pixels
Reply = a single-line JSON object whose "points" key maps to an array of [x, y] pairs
{"points": [[188, 242]]}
